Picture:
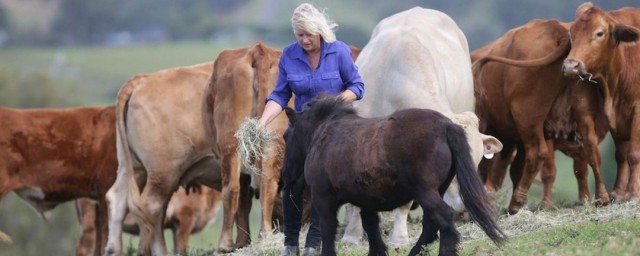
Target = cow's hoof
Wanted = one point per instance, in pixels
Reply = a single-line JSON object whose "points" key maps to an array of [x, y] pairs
{"points": [[545, 204], [515, 206], [109, 251], [602, 200], [350, 239], [617, 196], [224, 250]]}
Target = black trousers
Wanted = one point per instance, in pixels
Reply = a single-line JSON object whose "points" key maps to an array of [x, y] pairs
{"points": [[292, 197]]}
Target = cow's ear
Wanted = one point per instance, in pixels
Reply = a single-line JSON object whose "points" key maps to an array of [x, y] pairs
{"points": [[491, 145], [291, 114], [625, 34]]}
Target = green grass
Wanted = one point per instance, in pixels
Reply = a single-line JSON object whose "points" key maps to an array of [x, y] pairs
{"points": [[617, 237], [583, 230]]}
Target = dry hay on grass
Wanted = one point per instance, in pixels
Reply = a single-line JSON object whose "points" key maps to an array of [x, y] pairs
{"points": [[524, 222], [527, 221], [253, 141]]}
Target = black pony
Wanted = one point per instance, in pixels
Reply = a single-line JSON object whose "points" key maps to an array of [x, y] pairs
{"points": [[379, 164]]}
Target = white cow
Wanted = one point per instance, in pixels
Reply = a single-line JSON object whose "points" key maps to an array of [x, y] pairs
{"points": [[419, 58]]}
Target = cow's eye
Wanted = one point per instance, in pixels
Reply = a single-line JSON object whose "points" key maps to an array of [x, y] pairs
{"points": [[600, 34]]}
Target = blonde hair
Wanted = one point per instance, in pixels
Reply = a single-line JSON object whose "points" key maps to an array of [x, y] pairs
{"points": [[306, 17]]}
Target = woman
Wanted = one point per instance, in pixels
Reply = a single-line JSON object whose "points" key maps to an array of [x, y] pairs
{"points": [[316, 63]]}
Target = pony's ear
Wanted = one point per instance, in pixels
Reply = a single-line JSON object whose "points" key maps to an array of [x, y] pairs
{"points": [[291, 114]]}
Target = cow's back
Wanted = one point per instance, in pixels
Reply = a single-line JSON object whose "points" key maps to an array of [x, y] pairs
{"points": [[416, 58], [162, 110], [501, 88], [56, 155]]}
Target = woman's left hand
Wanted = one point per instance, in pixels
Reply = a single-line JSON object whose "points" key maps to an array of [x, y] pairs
{"points": [[348, 96]]}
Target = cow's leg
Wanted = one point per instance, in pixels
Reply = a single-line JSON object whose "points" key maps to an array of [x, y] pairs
{"points": [[497, 168], [622, 177], [548, 176], [245, 202], [580, 169], [269, 192], [536, 154], [117, 199], [517, 167], [371, 225], [230, 199], [86, 211], [400, 234], [633, 187], [153, 205], [591, 152], [102, 229], [353, 230], [181, 232], [440, 215]]}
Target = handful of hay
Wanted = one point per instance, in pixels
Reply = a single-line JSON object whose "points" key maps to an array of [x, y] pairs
{"points": [[253, 140]]}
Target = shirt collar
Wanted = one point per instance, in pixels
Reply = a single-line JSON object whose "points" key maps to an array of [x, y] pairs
{"points": [[327, 48]]}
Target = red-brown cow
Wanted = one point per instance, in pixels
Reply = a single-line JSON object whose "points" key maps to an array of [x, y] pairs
{"points": [[522, 102], [604, 50], [51, 156]]}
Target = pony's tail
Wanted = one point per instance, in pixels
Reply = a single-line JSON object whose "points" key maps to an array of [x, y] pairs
{"points": [[473, 194]]}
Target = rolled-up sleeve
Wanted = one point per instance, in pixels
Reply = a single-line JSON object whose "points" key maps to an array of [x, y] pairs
{"points": [[281, 93], [349, 73]]}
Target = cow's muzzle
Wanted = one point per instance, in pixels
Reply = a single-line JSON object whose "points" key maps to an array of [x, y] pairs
{"points": [[575, 68]]}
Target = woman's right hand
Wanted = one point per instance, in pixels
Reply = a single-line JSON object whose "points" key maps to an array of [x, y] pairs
{"points": [[271, 110]]}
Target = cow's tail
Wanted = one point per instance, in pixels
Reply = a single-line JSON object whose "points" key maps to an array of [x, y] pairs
{"points": [[208, 101], [122, 105], [472, 191], [564, 46]]}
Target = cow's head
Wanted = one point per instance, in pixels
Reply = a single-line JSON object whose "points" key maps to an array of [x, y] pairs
{"points": [[479, 143], [595, 36]]}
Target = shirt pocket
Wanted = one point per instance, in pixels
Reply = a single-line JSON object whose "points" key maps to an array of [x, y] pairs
{"points": [[332, 81], [298, 84]]}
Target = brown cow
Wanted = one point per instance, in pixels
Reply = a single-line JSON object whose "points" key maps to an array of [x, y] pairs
{"points": [[522, 102], [50, 156], [186, 214], [240, 82], [605, 51], [583, 99], [161, 142]]}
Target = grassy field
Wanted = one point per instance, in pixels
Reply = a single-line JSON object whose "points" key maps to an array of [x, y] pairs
{"points": [[95, 74]]}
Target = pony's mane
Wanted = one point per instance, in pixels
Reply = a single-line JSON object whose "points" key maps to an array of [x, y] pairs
{"points": [[325, 106]]}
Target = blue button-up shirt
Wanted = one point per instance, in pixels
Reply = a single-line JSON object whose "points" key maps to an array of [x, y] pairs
{"points": [[335, 73]]}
